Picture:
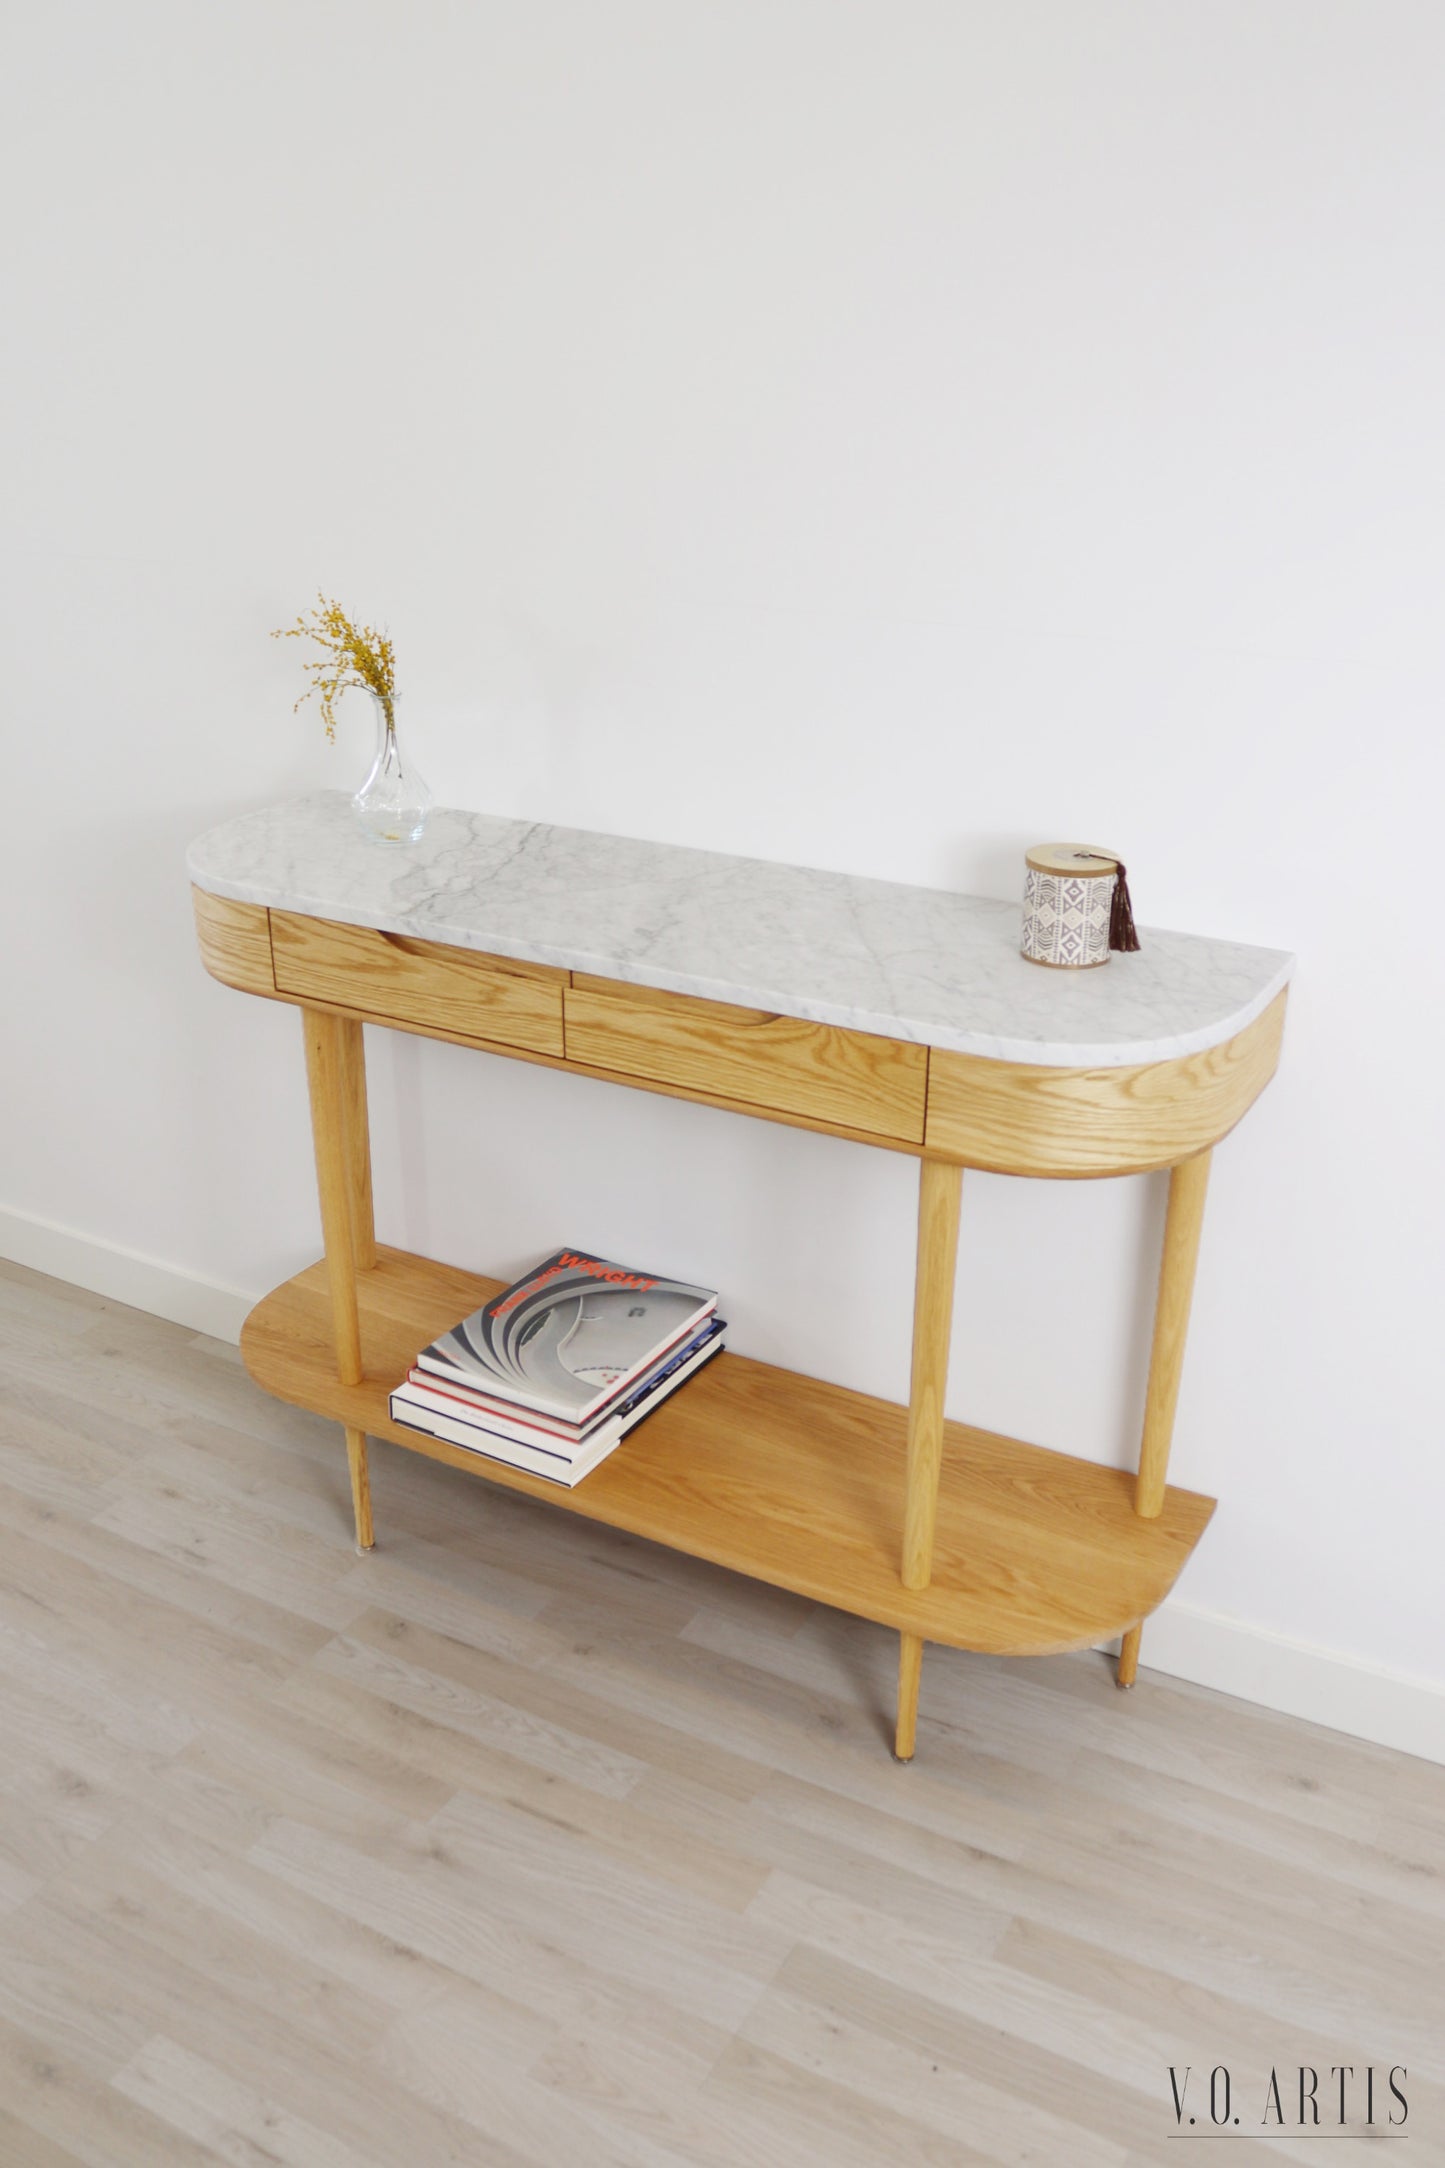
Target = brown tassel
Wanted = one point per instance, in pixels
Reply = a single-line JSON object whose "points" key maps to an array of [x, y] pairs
{"points": [[1121, 911], [1121, 914]]}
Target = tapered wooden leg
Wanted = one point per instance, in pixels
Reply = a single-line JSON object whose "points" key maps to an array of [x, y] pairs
{"points": [[1183, 1221], [325, 1074], [910, 1669], [1188, 1183], [360, 1488], [358, 1141], [940, 1188], [1128, 1669]]}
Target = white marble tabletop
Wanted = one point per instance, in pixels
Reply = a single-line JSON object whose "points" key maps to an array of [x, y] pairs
{"points": [[920, 964]]}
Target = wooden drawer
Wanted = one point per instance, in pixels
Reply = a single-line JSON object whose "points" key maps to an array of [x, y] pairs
{"points": [[748, 1057], [425, 984]]}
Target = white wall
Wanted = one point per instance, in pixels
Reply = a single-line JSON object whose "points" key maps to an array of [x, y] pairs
{"points": [[875, 433]]}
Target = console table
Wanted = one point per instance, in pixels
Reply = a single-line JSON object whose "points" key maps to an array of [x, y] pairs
{"points": [[898, 1017]]}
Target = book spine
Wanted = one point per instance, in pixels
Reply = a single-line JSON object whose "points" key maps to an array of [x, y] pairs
{"points": [[487, 1445], [671, 1373], [417, 1395], [471, 1406], [491, 1445]]}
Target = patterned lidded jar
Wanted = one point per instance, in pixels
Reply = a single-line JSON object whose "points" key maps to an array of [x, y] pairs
{"points": [[1068, 894]]}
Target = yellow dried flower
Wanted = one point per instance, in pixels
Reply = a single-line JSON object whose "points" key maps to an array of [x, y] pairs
{"points": [[355, 655]]}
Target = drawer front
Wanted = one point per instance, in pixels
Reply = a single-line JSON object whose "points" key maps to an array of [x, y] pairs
{"points": [[434, 987], [747, 1057], [235, 941]]}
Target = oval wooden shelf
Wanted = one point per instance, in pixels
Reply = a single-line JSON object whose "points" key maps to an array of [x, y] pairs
{"points": [[782, 1477]]}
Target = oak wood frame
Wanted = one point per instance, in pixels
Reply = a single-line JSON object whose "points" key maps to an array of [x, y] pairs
{"points": [[1004, 1117]]}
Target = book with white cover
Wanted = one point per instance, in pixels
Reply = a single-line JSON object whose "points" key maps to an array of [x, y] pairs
{"points": [[569, 1336], [556, 1467], [422, 1389]]}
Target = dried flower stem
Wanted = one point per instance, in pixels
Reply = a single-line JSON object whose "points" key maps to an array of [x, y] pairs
{"points": [[355, 655]]}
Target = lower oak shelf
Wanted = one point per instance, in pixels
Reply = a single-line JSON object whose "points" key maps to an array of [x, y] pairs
{"points": [[785, 1478]]}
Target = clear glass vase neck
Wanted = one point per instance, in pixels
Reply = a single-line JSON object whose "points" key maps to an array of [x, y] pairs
{"points": [[393, 803]]}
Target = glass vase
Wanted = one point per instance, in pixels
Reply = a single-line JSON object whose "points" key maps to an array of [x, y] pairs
{"points": [[393, 803]]}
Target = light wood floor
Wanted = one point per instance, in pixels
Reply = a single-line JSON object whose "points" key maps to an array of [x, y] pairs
{"points": [[523, 1842]]}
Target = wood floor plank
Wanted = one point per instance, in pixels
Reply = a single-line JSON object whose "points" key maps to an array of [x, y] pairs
{"points": [[451, 2056], [48, 1459], [261, 1555], [180, 1583], [55, 1984], [456, 1918], [191, 1936], [22, 2146], [42, 1596], [704, 1957], [638, 1733], [58, 1765], [1371, 1862], [305, 2079], [1052, 2077], [282, 1917], [59, 2100], [382, 1664], [523, 1841], [238, 2123], [801, 2116]]}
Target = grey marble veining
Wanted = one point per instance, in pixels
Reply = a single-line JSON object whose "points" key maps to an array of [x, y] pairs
{"points": [[911, 963]]}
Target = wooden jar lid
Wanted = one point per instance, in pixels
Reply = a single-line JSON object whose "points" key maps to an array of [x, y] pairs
{"points": [[1079, 860]]}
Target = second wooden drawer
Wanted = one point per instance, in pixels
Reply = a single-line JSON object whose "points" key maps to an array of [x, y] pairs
{"points": [[780, 1064], [423, 983]]}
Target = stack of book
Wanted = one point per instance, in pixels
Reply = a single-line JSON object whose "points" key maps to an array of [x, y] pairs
{"points": [[552, 1373]]}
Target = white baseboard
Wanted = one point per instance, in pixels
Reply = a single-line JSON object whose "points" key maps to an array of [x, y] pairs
{"points": [[1325, 1686], [103, 1268], [1297, 1678]]}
